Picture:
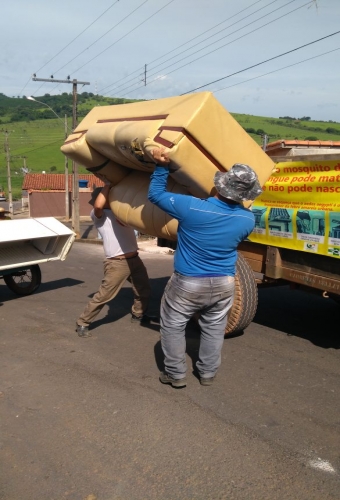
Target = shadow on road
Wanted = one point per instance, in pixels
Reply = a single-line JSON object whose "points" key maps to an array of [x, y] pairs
{"points": [[120, 306], [54, 285], [300, 314], [6, 294]]}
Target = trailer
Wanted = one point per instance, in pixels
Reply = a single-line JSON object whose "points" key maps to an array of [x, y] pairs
{"points": [[26, 243]]}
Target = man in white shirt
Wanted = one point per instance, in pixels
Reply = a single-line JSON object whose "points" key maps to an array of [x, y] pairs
{"points": [[121, 263]]}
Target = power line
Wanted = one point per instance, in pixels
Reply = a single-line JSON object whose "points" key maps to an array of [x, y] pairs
{"points": [[229, 34], [276, 70], [216, 41], [178, 47], [41, 86], [262, 62], [89, 26], [140, 24], [224, 45], [67, 46], [40, 147], [25, 86], [102, 36], [216, 25]]}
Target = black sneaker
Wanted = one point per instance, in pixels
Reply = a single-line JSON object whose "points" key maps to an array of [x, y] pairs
{"points": [[83, 331], [145, 318], [174, 382]]}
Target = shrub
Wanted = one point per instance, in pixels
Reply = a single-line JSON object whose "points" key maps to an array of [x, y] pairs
{"points": [[331, 130]]}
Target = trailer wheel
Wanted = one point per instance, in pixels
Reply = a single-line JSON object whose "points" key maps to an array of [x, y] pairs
{"points": [[246, 297], [24, 282]]}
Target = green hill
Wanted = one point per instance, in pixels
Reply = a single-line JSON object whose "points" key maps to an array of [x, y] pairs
{"points": [[35, 134]]}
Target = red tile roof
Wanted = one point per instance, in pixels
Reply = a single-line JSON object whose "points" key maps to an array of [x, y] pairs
{"points": [[282, 143], [56, 182]]}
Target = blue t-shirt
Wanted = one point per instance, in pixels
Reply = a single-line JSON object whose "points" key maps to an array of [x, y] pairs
{"points": [[209, 230]]}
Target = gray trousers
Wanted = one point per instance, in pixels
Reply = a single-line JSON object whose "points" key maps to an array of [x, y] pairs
{"points": [[183, 297], [116, 272]]}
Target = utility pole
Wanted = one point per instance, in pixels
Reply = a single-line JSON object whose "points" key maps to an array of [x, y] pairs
{"points": [[24, 171], [75, 177], [24, 168], [144, 79], [67, 204], [9, 182], [264, 142]]}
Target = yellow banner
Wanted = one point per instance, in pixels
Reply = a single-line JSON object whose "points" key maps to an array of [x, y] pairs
{"points": [[300, 208]]}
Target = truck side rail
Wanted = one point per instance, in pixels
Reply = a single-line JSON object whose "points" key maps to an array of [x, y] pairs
{"points": [[311, 270]]}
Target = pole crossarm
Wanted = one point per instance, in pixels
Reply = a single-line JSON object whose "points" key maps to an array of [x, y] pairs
{"points": [[59, 81]]}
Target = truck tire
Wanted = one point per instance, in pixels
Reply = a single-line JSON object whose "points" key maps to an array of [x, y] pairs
{"points": [[245, 301], [24, 282]]}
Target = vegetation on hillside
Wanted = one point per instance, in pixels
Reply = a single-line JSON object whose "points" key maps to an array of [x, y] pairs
{"points": [[16, 109], [289, 128], [35, 134]]}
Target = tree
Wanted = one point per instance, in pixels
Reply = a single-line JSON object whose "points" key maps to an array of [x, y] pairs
{"points": [[250, 130], [332, 130]]}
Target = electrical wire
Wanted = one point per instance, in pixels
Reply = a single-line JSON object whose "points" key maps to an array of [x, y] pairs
{"points": [[114, 43], [66, 48], [178, 47], [216, 41], [40, 147], [229, 34], [224, 45], [40, 87], [102, 36], [276, 70], [89, 26], [216, 25], [25, 85], [263, 62]]}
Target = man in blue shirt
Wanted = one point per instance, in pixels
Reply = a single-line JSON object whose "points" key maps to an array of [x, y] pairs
{"points": [[209, 231]]}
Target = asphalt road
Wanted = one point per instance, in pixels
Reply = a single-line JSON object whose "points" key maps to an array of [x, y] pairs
{"points": [[88, 418]]}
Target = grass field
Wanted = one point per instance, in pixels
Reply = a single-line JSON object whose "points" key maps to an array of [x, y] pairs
{"points": [[37, 143], [280, 128]]}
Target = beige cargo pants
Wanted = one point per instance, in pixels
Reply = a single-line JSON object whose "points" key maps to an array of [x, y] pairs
{"points": [[116, 272]]}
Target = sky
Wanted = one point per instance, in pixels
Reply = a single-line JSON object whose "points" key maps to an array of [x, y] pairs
{"points": [[179, 46]]}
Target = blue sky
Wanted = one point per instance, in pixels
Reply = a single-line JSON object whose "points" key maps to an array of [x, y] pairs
{"points": [[185, 44]]}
